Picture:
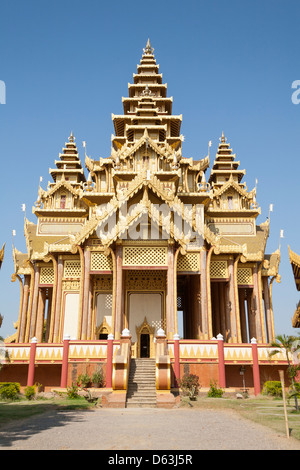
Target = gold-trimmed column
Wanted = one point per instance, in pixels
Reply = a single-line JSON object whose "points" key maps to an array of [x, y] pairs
{"points": [[40, 315], [232, 302], [170, 307], [236, 300], [222, 309], [257, 307], [113, 309], [29, 264], [243, 317], [277, 278], [74, 250], [209, 308], [267, 308], [175, 289], [261, 306], [203, 282], [86, 293], [35, 295], [14, 277], [51, 257], [58, 298], [119, 291]]}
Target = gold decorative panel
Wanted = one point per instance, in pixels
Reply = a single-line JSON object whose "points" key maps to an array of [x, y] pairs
{"points": [[103, 283], [72, 269], [144, 256], [101, 262], [145, 280], [244, 276], [47, 275], [71, 285], [218, 270], [188, 262]]}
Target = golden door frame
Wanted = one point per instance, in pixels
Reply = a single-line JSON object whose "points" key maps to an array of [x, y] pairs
{"points": [[144, 327], [104, 327]]}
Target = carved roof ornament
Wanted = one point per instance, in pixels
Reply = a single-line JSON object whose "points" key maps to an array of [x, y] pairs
{"points": [[148, 49], [147, 92]]}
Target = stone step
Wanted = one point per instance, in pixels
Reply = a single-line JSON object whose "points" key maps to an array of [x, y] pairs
{"points": [[141, 396], [141, 391], [142, 400], [141, 405]]}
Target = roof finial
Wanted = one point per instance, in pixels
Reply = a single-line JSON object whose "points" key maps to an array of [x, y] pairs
{"points": [[71, 138], [223, 138], [148, 49]]}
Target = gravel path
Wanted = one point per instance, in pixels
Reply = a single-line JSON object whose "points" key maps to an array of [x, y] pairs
{"points": [[141, 429]]}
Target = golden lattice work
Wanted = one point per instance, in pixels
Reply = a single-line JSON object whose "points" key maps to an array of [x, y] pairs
{"points": [[145, 280], [72, 269], [244, 276], [188, 262], [47, 275], [104, 283], [144, 256], [101, 262], [218, 270]]}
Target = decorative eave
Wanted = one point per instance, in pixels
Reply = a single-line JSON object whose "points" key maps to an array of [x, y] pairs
{"points": [[2, 254], [271, 264], [140, 182], [232, 184], [19, 260], [145, 139], [295, 263], [296, 317], [67, 185]]}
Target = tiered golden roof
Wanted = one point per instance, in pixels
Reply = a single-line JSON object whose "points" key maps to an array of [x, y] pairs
{"points": [[146, 167]]}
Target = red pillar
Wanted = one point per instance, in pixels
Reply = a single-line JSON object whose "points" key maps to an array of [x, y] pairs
{"points": [[30, 377], [109, 364], [65, 360], [176, 360], [256, 377], [222, 376]]}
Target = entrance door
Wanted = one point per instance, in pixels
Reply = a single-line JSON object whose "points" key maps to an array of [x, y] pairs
{"points": [[145, 345], [144, 307]]}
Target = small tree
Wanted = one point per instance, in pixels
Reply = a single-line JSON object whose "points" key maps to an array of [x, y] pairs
{"points": [[289, 345], [189, 385]]}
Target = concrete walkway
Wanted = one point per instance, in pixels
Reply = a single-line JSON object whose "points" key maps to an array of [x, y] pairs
{"points": [[141, 429]]}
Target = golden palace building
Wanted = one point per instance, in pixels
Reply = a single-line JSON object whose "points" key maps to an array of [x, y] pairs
{"points": [[152, 257], [295, 265]]}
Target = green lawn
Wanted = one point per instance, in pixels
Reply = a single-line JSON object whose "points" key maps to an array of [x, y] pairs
{"points": [[263, 410], [15, 410]]}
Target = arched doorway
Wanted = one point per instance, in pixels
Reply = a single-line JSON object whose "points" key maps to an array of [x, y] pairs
{"points": [[145, 337]]}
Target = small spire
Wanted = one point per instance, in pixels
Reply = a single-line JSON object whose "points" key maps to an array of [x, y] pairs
{"points": [[223, 138], [71, 138], [148, 49]]}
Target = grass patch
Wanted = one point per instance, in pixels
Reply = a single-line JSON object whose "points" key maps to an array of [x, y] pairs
{"points": [[263, 410], [16, 410]]}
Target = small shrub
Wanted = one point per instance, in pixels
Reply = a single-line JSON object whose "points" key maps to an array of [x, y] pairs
{"points": [[84, 380], [97, 377], [190, 386], [72, 391], [272, 388], [30, 392], [214, 391], [9, 390]]}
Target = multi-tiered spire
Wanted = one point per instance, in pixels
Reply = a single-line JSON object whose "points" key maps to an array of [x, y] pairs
{"points": [[225, 166], [147, 107], [68, 167]]}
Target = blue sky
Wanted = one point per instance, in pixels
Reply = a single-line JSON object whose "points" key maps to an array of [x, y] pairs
{"points": [[229, 66]]}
